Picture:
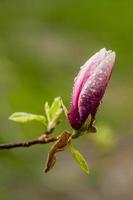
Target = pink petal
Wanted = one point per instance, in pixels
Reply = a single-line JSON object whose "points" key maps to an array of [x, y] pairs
{"points": [[95, 87]]}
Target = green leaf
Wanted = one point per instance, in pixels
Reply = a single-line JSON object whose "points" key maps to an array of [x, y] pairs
{"points": [[23, 117], [80, 160], [53, 113], [55, 109], [47, 111]]}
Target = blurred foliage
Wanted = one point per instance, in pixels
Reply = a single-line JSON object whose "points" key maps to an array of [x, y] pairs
{"points": [[105, 138], [42, 45]]}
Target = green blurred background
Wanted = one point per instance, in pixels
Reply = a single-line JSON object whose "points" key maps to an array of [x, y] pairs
{"points": [[42, 45]]}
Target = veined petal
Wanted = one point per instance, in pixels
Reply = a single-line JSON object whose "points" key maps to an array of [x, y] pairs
{"points": [[85, 71], [94, 88], [89, 87]]}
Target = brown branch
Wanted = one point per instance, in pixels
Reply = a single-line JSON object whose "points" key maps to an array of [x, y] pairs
{"points": [[43, 139]]}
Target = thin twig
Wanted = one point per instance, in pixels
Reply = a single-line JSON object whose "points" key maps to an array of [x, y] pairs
{"points": [[43, 139]]}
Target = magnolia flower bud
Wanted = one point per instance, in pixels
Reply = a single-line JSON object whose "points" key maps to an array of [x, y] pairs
{"points": [[89, 87]]}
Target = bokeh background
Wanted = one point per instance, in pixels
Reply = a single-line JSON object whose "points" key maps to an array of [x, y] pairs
{"points": [[42, 45]]}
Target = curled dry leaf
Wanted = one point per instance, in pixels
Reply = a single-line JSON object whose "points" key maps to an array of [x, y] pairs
{"points": [[61, 144]]}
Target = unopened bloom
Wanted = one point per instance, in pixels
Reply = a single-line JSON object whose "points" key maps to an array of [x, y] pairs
{"points": [[89, 87]]}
